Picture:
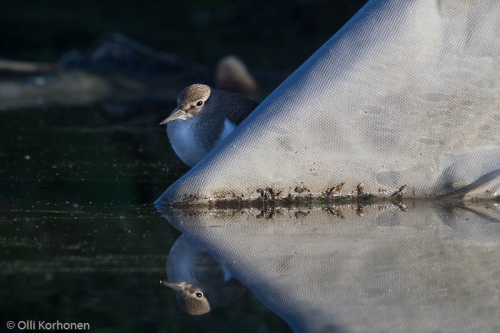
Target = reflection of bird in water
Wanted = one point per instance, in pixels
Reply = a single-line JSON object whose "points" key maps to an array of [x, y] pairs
{"points": [[204, 117], [201, 282]]}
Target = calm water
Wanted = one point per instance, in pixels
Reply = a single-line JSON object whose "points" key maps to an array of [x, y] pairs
{"points": [[80, 239], [81, 242]]}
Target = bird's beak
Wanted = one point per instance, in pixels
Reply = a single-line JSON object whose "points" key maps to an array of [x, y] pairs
{"points": [[178, 114], [175, 286]]}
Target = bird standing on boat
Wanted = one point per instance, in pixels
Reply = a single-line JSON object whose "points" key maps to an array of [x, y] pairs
{"points": [[203, 118]]}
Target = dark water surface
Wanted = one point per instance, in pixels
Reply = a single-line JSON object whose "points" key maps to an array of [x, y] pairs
{"points": [[80, 239], [81, 242]]}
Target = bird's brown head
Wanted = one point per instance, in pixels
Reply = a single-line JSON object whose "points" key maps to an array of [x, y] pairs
{"points": [[190, 102]]}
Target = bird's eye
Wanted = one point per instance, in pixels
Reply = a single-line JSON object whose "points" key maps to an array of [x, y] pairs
{"points": [[200, 103], [199, 295]]}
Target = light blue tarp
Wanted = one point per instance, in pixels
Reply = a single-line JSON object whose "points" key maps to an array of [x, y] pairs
{"points": [[406, 93]]}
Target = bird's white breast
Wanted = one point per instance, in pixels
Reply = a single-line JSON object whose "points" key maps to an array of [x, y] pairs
{"points": [[188, 144], [229, 126]]}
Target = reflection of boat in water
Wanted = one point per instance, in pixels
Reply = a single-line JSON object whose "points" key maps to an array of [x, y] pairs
{"points": [[201, 282], [428, 267]]}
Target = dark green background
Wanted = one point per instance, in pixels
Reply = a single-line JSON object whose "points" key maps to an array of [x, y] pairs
{"points": [[271, 34]]}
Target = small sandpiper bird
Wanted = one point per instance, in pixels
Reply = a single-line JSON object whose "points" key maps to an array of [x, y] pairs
{"points": [[203, 118]]}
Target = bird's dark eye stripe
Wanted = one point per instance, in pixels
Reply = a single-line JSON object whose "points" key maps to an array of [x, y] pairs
{"points": [[200, 103]]}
